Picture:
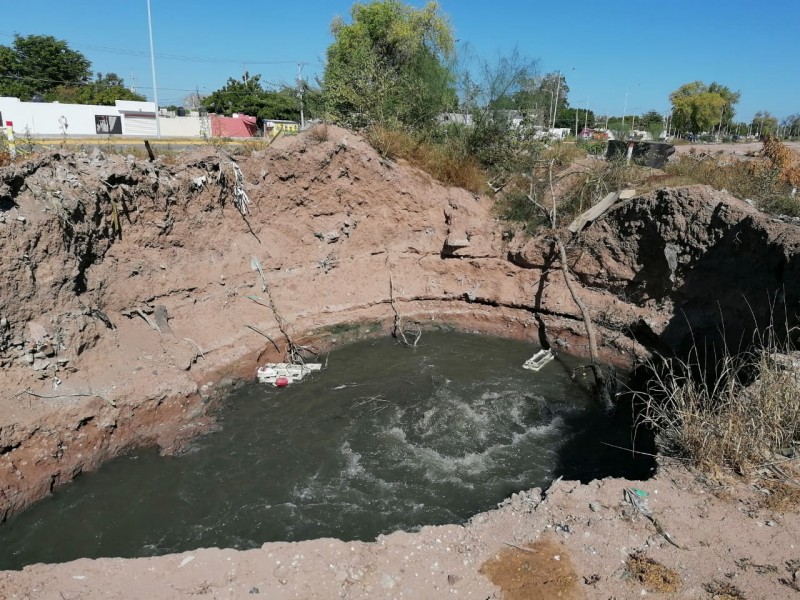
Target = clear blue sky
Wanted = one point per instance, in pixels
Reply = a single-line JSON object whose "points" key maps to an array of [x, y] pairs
{"points": [[604, 48]]}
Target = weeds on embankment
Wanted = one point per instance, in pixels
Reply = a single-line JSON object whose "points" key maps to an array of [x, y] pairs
{"points": [[738, 413], [769, 181], [448, 163]]}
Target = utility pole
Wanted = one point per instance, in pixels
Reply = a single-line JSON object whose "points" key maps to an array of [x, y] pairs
{"points": [[586, 114], [153, 68], [300, 66], [555, 100], [625, 108], [576, 124]]}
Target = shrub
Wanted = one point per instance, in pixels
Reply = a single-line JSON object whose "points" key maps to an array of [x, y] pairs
{"points": [[319, 133], [736, 414], [768, 182], [444, 161]]}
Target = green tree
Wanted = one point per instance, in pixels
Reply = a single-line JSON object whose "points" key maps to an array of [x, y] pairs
{"points": [[36, 64], [791, 125], [764, 123], [698, 107], [390, 65], [244, 96], [552, 92], [104, 91], [247, 96], [652, 122], [498, 97]]}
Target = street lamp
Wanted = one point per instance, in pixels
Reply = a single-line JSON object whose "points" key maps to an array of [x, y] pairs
{"points": [[557, 97], [625, 107], [153, 68], [555, 100], [300, 66]]}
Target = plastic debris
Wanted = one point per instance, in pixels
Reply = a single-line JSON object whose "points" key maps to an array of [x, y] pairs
{"points": [[538, 360]]}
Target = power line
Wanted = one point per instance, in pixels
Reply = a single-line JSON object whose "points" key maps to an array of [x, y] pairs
{"points": [[107, 85], [176, 57]]}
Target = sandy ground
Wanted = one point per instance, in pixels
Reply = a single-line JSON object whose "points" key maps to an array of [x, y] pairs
{"points": [[575, 542], [742, 149]]}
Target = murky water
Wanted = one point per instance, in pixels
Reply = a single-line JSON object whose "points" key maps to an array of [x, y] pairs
{"points": [[386, 438]]}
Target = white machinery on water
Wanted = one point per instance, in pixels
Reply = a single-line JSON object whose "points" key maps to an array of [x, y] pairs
{"points": [[282, 374], [538, 360]]}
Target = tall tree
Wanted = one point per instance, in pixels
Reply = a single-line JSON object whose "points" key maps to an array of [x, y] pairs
{"points": [[104, 91], [497, 96], [554, 90], [699, 107], [248, 96], [36, 64], [390, 65], [764, 123], [791, 125]]}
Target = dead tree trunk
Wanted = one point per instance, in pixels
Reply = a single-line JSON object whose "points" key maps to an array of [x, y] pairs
{"points": [[600, 383]]}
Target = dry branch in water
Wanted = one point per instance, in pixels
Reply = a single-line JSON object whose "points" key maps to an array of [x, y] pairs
{"points": [[293, 351], [600, 383], [398, 331]]}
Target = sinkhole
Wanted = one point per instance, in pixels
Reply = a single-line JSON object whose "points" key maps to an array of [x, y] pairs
{"points": [[385, 438]]}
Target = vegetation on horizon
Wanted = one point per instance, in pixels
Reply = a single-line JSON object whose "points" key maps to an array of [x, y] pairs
{"points": [[43, 67]]}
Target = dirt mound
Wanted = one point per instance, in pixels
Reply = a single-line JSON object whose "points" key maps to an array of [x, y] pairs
{"points": [[705, 260]]}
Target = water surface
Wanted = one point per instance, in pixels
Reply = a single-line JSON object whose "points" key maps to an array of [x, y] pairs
{"points": [[385, 438]]}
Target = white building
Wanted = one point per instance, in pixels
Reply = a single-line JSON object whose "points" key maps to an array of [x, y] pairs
{"points": [[55, 119]]}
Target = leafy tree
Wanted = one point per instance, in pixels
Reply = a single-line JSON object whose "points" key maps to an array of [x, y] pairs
{"points": [[537, 96], [244, 96], [566, 118], [650, 119], [104, 91], [652, 122], [764, 123], [791, 125], [36, 64], [390, 65], [249, 97], [553, 90], [498, 97], [698, 107]]}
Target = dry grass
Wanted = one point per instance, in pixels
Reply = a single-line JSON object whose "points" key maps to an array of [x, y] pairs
{"points": [[573, 189], [735, 414], [319, 133], [250, 145], [654, 576], [782, 159], [585, 188], [783, 496], [564, 154], [767, 181], [445, 163]]}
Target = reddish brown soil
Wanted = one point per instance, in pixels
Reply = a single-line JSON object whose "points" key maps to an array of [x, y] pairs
{"points": [[727, 540]]}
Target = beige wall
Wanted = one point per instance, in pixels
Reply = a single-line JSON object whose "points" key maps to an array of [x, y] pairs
{"points": [[183, 126]]}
